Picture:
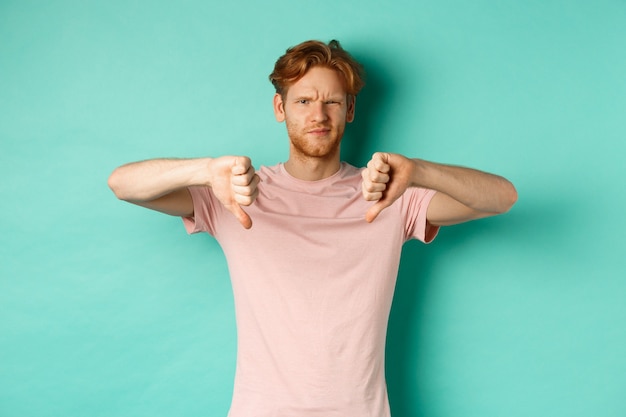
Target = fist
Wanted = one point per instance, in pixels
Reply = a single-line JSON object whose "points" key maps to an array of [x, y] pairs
{"points": [[385, 179], [234, 182], [375, 177]]}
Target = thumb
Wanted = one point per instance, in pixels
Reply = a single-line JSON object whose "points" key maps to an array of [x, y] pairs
{"points": [[375, 210], [241, 215]]}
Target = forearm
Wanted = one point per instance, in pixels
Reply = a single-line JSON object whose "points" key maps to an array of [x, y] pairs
{"points": [[476, 189], [148, 180]]}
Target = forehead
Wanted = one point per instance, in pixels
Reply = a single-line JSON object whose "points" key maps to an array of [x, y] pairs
{"points": [[319, 81]]}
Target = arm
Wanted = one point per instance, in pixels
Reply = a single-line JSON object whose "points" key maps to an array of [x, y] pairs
{"points": [[161, 184], [463, 194]]}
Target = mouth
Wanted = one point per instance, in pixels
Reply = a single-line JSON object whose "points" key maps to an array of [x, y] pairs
{"points": [[319, 131]]}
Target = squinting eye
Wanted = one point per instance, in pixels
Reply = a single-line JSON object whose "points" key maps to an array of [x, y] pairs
{"points": [[303, 101]]}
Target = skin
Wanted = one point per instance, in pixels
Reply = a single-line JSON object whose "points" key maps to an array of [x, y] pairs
{"points": [[161, 184], [315, 110], [463, 194]]}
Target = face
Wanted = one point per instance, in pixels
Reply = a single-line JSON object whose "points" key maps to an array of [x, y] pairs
{"points": [[315, 109]]}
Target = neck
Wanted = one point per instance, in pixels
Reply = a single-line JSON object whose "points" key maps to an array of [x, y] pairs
{"points": [[312, 169]]}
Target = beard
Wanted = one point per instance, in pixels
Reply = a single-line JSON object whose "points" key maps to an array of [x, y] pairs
{"points": [[319, 146]]}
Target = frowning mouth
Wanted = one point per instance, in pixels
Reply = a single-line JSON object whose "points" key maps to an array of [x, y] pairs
{"points": [[319, 131]]}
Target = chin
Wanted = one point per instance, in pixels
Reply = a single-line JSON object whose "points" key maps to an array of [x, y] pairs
{"points": [[316, 152], [309, 150]]}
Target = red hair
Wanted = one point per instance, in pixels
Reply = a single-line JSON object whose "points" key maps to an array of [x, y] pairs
{"points": [[301, 58]]}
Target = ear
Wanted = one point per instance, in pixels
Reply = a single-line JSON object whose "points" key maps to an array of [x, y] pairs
{"points": [[279, 108], [351, 108]]}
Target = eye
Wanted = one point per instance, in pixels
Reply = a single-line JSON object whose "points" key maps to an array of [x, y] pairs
{"points": [[303, 101]]}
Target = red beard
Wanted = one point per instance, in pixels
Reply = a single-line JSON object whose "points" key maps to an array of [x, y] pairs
{"points": [[314, 141]]}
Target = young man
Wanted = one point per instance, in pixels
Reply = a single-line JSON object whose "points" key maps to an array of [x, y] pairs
{"points": [[313, 245]]}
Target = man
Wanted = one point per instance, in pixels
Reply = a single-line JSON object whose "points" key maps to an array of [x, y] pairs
{"points": [[314, 255]]}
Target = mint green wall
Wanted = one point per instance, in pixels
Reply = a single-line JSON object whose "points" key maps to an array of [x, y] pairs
{"points": [[107, 309]]}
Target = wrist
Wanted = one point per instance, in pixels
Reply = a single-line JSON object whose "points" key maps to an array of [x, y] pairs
{"points": [[202, 171], [418, 173]]}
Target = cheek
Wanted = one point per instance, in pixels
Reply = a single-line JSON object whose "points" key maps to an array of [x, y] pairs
{"points": [[295, 118], [292, 127], [341, 114]]}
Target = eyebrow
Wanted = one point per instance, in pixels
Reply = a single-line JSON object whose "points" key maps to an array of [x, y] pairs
{"points": [[310, 98]]}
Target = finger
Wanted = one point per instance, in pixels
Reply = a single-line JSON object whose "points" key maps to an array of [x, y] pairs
{"points": [[380, 161], [243, 190], [241, 165], [374, 187], [377, 171], [377, 183], [372, 191], [247, 178], [373, 175], [372, 196], [246, 197], [246, 188]]}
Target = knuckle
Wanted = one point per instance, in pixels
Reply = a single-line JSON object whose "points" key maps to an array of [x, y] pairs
{"points": [[373, 196], [243, 200]]}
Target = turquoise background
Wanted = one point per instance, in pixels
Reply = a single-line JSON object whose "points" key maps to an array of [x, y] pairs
{"points": [[107, 309]]}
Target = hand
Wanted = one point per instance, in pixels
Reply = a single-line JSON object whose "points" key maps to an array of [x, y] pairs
{"points": [[234, 183], [385, 179]]}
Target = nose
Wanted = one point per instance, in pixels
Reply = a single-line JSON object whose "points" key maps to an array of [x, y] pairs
{"points": [[319, 112]]}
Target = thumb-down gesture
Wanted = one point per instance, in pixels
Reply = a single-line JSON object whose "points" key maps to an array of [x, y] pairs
{"points": [[234, 182], [385, 179]]}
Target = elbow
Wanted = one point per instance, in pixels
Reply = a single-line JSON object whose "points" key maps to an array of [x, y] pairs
{"points": [[115, 183], [509, 197]]}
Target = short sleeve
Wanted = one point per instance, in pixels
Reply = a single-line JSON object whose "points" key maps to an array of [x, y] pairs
{"points": [[414, 205], [205, 211]]}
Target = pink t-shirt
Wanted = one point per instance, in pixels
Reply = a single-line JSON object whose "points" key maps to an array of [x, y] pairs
{"points": [[313, 284]]}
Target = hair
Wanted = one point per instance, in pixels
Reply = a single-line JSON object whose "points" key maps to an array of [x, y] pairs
{"points": [[299, 59]]}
